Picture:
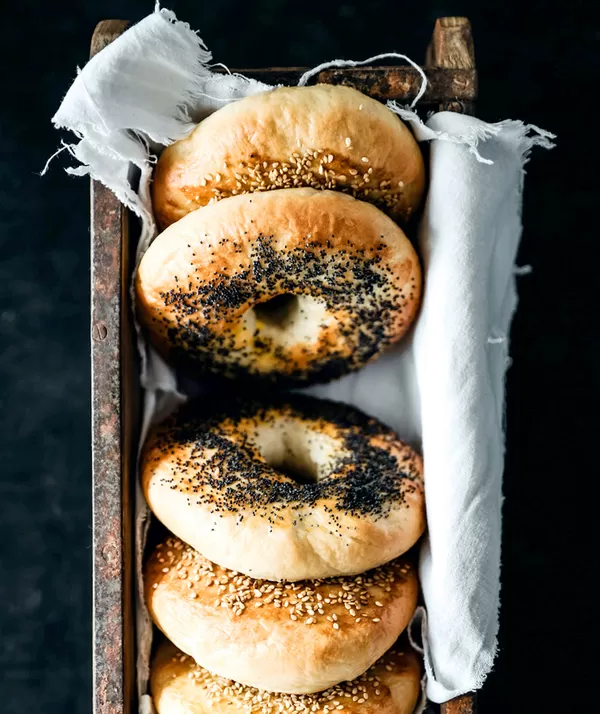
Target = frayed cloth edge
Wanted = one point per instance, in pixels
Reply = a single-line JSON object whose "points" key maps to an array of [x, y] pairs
{"points": [[527, 135]]}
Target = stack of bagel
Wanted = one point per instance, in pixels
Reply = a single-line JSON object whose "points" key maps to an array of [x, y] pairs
{"points": [[285, 577]]}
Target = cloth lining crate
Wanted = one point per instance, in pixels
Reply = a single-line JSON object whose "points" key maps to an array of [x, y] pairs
{"points": [[116, 392]]}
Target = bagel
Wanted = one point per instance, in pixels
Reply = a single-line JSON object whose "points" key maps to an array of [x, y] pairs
{"points": [[295, 286], [295, 489], [325, 137], [283, 637], [180, 686]]}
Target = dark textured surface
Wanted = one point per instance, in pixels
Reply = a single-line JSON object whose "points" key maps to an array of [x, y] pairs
{"points": [[111, 530], [384, 83], [537, 61]]}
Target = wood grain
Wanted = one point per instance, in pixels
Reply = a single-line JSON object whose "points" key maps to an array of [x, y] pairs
{"points": [[460, 705], [112, 445], [452, 50], [383, 83], [106, 32], [452, 44]]}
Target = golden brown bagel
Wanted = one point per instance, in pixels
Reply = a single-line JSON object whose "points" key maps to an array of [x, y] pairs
{"points": [[325, 137], [180, 686], [294, 489], [284, 637], [290, 286]]}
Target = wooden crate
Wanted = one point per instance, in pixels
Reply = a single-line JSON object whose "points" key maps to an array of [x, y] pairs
{"points": [[116, 394]]}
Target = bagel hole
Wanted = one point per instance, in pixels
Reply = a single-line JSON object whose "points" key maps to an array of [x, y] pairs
{"points": [[295, 450], [299, 470], [277, 311]]}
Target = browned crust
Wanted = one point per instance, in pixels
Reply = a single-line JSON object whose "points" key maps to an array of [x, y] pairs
{"points": [[180, 686], [199, 279], [207, 610], [325, 136], [204, 477]]}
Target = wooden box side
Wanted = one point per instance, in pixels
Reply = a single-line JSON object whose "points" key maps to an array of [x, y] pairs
{"points": [[113, 414]]}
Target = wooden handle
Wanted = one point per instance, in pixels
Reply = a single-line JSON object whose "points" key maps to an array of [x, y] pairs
{"points": [[383, 83], [106, 32], [451, 46]]}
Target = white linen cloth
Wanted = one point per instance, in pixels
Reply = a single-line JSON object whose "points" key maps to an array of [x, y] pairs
{"points": [[441, 389]]}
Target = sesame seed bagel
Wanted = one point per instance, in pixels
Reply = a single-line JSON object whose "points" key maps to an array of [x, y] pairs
{"points": [[295, 489], [283, 637], [180, 686], [292, 286], [325, 137]]}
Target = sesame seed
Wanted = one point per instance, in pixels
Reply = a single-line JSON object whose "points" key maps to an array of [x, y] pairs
{"points": [[308, 601], [348, 141]]}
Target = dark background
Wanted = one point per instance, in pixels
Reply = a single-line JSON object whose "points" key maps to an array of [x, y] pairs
{"points": [[538, 61]]}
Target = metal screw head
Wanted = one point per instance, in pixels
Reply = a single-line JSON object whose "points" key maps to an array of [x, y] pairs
{"points": [[455, 107], [99, 331]]}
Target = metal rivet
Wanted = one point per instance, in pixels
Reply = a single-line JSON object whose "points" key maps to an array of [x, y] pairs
{"points": [[455, 107], [109, 555], [99, 332]]}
